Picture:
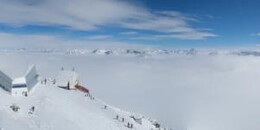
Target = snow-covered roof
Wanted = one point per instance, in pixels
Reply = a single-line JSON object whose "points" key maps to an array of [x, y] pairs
{"points": [[30, 69], [5, 76], [31, 77], [19, 71], [20, 80], [65, 76]]}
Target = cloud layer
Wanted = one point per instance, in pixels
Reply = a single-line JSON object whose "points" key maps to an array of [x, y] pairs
{"points": [[93, 15], [37, 41], [183, 92]]}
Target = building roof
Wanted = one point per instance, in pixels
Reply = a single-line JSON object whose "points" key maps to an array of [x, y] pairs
{"points": [[19, 71], [30, 69], [5, 76], [20, 80]]}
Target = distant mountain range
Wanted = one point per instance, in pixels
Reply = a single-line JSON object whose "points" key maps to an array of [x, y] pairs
{"points": [[139, 52]]}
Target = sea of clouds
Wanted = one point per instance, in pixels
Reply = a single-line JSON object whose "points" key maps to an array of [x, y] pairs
{"points": [[191, 92]]}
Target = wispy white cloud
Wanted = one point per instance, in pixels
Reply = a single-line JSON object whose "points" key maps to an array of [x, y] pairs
{"points": [[128, 33], [189, 35], [148, 38], [91, 15], [183, 36], [9, 40], [154, 22], [255, 34], [76, 14], [98, 37]]}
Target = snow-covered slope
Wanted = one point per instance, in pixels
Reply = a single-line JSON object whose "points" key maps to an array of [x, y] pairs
{"points": [[60, 109]]}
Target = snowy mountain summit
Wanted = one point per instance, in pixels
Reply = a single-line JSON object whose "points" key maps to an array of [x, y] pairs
{"points": [[49, 107], [137, 52]]}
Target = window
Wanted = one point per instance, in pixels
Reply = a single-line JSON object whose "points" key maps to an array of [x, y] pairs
{"points": [[19, 86]]}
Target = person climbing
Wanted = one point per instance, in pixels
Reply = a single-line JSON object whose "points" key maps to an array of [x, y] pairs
{"points": [[131, 126], [54, 81], [117, 117], [123, 119], [128, 125], [15, 108], [105, 107], [32, 108], [45, 81]]}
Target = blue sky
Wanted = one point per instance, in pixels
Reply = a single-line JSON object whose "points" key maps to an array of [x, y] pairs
{"points": [[170, 23]]}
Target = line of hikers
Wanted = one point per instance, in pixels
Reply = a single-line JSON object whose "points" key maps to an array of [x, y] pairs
{"points": [[129, 125], [45, 81], [15, 108], [90, 96]]}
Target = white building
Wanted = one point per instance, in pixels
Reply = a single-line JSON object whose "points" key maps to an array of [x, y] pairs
{"points": [[20, 86], [5, 82], [31, 77], [67, 79]]}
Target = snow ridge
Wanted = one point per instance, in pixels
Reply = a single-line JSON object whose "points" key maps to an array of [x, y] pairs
{"points": [[57, 108]]}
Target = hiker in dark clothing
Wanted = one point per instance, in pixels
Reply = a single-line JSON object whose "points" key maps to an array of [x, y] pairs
{"points": [[45, 81], [54, 81], [33, 109], [123, 119], [131, 126], [117, 117]]}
